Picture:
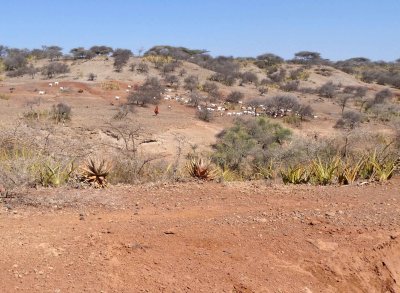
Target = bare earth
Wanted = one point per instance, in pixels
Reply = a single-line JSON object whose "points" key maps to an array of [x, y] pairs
{"points": [[192, 237]]}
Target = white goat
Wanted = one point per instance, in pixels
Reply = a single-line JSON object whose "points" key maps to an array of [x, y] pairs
{"points": [[117, 98], [50, 84], [42, 92], [56, 82]]}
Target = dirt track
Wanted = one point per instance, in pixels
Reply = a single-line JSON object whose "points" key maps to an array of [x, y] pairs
{"points": [[190, 237]]}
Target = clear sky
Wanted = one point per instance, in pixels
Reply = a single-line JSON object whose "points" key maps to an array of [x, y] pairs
{"points": [[338, 29]]}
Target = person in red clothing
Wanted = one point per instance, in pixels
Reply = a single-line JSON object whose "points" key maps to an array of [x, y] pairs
{"points": [[156, 110]]}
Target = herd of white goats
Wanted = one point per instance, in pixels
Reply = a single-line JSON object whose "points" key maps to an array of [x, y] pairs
{"points": [[222, 109]]}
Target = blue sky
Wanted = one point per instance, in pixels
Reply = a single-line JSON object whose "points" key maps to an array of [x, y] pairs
{"points": [[338, 29]]}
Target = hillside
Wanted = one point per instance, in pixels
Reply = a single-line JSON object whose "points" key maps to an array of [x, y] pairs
{"points": [[199, 174]]}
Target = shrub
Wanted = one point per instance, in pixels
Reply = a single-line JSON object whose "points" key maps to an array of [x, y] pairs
{"points": [[205, 114], [142, 68], [299, 74], [277, 76], [191, 82], [382, 96], [148, 93], [248, 144], [328, 90], [262, 90], [92, 76], [172, 79], [211, 88], [61, 113], [349, 120], [290, 86], [248, 77], [234, 97]]}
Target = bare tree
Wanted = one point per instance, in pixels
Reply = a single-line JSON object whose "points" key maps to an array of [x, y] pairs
{"points": [[343, 100]]}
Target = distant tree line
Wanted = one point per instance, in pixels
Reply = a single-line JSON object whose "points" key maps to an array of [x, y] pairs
{"points": [[18, 62]]}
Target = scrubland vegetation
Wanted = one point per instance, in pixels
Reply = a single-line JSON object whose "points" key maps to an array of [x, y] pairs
{"points": [[270, 101]]}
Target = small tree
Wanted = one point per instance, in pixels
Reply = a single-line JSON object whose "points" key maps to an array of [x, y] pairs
{"points": [[31, 70], [121, 57], [55, 68], [343, 100]]}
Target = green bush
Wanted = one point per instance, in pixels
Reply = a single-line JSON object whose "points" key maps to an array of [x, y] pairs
{"points": [[248, 145]]}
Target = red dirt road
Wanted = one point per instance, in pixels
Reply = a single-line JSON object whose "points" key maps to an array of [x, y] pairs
{"points": [[191, 237]]}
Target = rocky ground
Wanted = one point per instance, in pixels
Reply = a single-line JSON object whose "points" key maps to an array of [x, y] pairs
{"points": [[193, 237]]}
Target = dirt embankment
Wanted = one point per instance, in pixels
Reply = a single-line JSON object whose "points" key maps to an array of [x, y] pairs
{"points": [[239, 237]]}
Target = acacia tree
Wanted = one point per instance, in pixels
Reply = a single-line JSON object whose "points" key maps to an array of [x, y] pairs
{"points": [[268, 59], [82, 53], [101, 50], [343, 100], [52, 52], [307, 57]]}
